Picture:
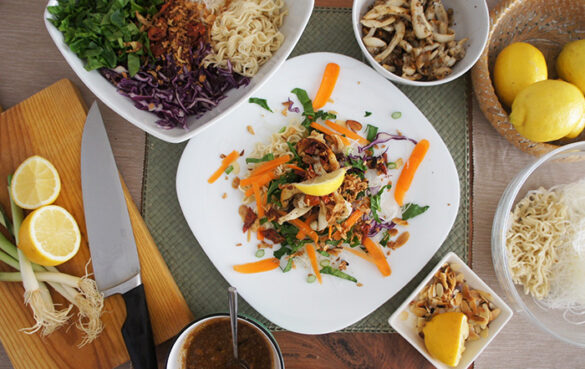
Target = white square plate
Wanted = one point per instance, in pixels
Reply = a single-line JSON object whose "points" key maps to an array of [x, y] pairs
{"points": [[286, 298], [299, 12], [407, 327]]}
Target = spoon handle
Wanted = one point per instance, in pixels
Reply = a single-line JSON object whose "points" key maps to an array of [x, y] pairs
{"points": [[233, 302]]}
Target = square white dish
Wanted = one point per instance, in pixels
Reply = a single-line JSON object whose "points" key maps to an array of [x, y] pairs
{"points": [[405, 324], [287, 299], [299, 12]]}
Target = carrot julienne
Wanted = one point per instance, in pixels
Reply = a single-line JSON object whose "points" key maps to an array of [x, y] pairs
{"points": [[226, 162], [378, 256], [313, 257], [258, 266], [349, 222], [327, 85], [292, 166], [407, 174], [260, 179], [329, 132], [301, 234], [258, 198], [348, 132], [302, 226], [270, 165], [259, 234], [360, 253]]}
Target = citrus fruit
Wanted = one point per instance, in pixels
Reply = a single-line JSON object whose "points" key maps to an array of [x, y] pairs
{"points": [[548, 110], [35, 183], [322, 185], [517, 66], [49, 236], [571, 63], [445, 336]]}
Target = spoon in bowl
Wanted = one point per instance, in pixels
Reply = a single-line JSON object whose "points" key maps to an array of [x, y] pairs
{"points": [[233, 302]]}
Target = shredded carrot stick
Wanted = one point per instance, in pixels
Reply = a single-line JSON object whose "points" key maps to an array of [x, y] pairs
{"points": [[313, 258], [292, 166], [270, 164], [301, 234], [249, 234], [225, 162], [407, 174], [378, 256], [259, 234], [349, 222], [348, 132], [300, 225], [327, 85], [258, 198], [360, 253], [260, 179], [329, 236], [329, 132], [258, 266]]}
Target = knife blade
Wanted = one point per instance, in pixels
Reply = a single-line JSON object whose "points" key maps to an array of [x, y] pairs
{"points": [[111, 239]]}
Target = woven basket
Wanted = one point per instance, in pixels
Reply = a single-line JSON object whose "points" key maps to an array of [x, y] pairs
{"points": [[546, 24]]}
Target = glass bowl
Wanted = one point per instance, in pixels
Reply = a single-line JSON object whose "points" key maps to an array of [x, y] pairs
{"points": [[561, 166]]}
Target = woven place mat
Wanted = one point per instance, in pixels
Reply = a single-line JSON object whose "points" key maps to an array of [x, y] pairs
{"points": [[329, 29]]}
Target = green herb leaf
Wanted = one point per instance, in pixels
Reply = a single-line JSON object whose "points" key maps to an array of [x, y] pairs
{"points": [[358, 164], [262, 102], [266, 157], [375, 202], [229, 169], [385, 239], [282, 130], [288, 266], [324, 115], [263, 220], [305, 101], [411, 210], [368, 113], [133, 64], [324, 253], [372, 131], [337, 273]]}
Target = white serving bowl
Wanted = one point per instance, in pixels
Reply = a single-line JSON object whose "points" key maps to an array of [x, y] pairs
{"points": [[407, 326], [471, 20], [299, 12]]}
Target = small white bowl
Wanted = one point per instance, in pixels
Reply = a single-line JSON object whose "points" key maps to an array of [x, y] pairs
{"points": [[299, 12], [176, 355], [404, 321], [471, 20]]}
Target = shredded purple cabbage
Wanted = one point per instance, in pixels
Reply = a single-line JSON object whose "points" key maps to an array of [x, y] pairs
{"points": [[377, 227], [383, 137], [291, 108], [173, 93]]}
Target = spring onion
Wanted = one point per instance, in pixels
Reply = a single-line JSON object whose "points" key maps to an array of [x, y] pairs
{"points": [[311, 278], [260, 253], [396, 115]]}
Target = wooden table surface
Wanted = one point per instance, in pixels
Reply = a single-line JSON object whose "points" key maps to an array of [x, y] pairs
{"points": [[31, 62]]}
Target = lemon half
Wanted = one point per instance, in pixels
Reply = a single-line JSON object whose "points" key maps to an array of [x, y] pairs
{"points": [[445, 336], [322, 185], [49, 236], [35, 183]]}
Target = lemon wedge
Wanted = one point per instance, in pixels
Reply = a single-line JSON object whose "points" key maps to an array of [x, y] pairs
{"points": [[49, 236], [322, 185], [35, 183], [445, 336]]}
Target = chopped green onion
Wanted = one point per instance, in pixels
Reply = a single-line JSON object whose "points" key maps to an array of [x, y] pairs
{"points": [[261, 102], [368, 113], [391, 165], [396, 115], [324, 253], [288, 266], [311, 278], [282, 129], [266, 157], [324, 262], [229, 169], [260, 253]]}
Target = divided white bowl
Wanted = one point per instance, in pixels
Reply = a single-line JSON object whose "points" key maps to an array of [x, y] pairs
{"points": [[299, 12]]}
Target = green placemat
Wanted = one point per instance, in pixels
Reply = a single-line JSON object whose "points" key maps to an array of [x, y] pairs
{"points": [[329, 29]]}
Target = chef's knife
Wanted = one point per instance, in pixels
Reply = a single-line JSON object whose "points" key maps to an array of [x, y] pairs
{"points": [[111, 240]]}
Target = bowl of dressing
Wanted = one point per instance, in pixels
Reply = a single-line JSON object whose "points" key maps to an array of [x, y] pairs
{"points": [[207, 343]]}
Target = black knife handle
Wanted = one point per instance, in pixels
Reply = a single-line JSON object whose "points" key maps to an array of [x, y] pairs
{"points": [[137, 331]]}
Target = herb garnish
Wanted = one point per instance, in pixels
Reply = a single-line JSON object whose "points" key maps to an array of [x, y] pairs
{"points": [[266, 157], [305, 101], [229, 169], [367, 114], [375, 202], [262, 102], [337, 273], [288, 266], [412, 210], [372, 131]]}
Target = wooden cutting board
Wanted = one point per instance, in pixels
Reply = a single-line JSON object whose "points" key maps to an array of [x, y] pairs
{"points": [[50, 124]]}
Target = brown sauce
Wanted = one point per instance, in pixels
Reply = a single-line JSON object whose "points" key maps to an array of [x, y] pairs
{"points": [[210, 346]]}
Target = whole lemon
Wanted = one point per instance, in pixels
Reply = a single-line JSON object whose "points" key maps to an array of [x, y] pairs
{"points": [[517, 66], [548, 110], [571, 63]]}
